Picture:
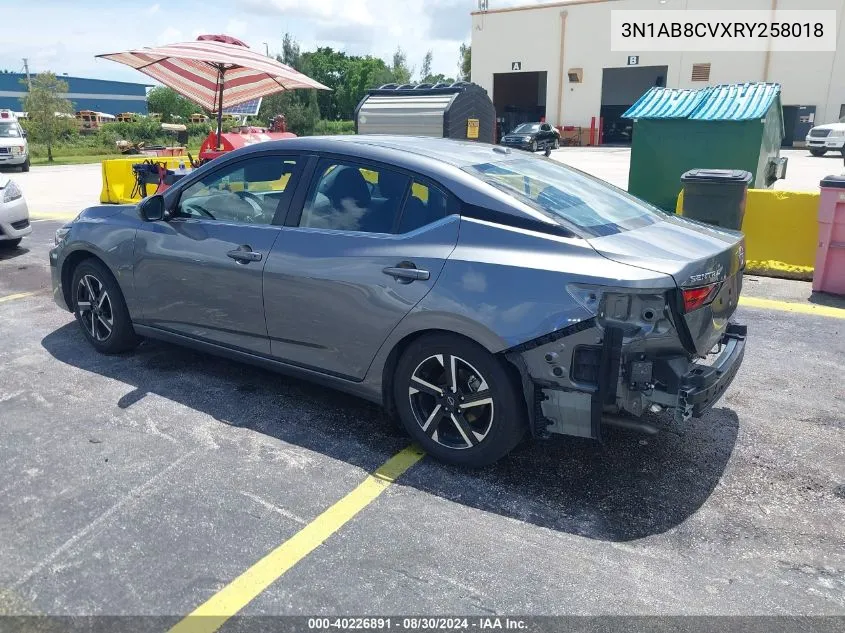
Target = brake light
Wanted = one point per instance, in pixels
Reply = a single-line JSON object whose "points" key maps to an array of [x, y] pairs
{"points": [[695, 298]]}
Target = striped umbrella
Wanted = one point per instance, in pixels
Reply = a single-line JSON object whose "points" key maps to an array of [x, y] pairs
{"points": [[215, 71]]}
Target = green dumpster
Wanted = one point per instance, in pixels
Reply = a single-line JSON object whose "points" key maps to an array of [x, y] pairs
{"points": [[731, 126]]}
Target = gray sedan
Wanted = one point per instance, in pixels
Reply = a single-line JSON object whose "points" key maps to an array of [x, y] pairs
{"points": [[479, 294]]}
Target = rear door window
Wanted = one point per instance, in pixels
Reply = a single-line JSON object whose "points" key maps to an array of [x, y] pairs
{"points": [[349, 196], [425, 204]]}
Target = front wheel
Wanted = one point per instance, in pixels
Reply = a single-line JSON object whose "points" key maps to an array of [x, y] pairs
{"points": [[100, 309], [556, 143], [25, 166], [11, 243], [458, 401], [818, 152], [533, 146]]}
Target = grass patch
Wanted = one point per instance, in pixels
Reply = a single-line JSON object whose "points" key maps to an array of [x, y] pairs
{"points": [[73, 159]]}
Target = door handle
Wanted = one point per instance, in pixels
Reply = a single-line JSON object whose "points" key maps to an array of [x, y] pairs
{"points": [[244, 255], [406, 275]]}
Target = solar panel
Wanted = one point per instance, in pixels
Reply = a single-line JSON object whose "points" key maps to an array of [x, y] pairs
{"points": [[248, 108]]}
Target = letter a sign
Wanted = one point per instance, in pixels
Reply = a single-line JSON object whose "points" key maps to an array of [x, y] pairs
{"points": [[516, 65]]}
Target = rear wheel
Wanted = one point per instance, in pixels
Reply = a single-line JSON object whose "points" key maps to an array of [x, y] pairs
{"points": [[458, 401], [818, 152], [100, 309], [556, 143]]}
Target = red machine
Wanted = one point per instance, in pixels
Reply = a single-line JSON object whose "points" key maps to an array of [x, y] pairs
{"points": [[243, 136]]}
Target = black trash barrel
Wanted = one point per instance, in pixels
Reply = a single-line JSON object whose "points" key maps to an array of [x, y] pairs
{"points": [[716, 196]]}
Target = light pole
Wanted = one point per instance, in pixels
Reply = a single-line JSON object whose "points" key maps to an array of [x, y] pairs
{"points": [[266, 49]]}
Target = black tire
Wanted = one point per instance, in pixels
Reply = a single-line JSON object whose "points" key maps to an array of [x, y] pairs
{"points": [[487, 431], [25, 166], [556, 143], [533, 146], [92, 274], [818, 152], [10, 244]]}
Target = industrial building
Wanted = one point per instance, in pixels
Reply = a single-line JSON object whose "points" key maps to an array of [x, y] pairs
{"points": [[99, 95], [554, 61]]}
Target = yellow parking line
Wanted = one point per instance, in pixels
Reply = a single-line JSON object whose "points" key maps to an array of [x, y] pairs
{"points": [[213, 613], [19, 295], [790, 306]]}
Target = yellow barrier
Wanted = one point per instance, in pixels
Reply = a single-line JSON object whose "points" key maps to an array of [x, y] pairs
{"points": [[781, 232], [119, 179]]}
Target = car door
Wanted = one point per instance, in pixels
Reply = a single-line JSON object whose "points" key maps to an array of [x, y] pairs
{"points": [[199, 272], [366, 247]]}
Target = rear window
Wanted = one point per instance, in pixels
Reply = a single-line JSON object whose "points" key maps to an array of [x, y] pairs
{"points": [[587, 205]]}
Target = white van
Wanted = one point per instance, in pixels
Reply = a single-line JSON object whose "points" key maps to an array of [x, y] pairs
{"points": [[824, 138], [14, 150]]}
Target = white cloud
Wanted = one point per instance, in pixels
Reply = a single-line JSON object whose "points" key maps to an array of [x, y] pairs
{"points": [[169, 36], [236, 27], [53, 38]]}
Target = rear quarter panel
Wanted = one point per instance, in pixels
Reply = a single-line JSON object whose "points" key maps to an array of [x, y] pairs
{"points": [[503, 286]]}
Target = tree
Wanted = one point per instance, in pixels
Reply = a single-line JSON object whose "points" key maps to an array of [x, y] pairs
{"points": [[330, 68], [49, 114], [362, 74], [401, 72], [425, 71], [465, 64], [439, 78], [290, 52], [169, 104]]}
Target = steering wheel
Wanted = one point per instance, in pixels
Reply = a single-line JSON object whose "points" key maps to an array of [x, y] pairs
{"points": [[253, 201], [195, 207]]}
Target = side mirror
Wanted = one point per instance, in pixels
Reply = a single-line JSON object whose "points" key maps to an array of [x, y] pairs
{"points": [[152, 209]]}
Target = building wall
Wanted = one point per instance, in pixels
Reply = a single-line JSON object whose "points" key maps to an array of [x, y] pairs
{"points": [[111, 97], [532, 36]]}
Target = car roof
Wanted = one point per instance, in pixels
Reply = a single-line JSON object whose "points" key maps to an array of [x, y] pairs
{"points": [[397, 149]]}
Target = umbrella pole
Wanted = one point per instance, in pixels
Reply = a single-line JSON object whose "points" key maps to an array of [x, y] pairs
{"points": [[220, 111]]}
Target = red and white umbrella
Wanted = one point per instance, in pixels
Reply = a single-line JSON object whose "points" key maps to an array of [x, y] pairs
{"points": [[215, 71]]}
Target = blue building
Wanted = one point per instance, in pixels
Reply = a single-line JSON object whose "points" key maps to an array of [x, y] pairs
{"points": [[100, 95]]}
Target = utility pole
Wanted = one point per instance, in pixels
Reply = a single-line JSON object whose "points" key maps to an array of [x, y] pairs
{"points": [[26, 70], [266, 49]]}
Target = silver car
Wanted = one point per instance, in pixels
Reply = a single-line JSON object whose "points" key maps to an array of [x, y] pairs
{"points": [[480, 294]]}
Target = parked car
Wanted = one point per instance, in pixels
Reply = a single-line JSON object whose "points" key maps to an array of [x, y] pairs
{"points": [[14, 149], [480, 294], [824, 138], [14, 214], [532, 136]]}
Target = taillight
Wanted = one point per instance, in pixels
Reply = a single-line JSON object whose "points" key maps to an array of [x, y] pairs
{"points": [[695, 298]]}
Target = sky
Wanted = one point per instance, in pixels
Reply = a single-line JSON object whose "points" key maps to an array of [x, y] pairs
{"points": [[64, 36]]}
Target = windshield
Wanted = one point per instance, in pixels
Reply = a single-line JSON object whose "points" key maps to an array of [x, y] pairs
{"points": [[9, 129], [526, 128], [586, 204]]}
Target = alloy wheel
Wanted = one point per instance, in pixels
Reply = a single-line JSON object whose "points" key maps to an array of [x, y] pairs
{"points": [[94, 307], [451, 401]]}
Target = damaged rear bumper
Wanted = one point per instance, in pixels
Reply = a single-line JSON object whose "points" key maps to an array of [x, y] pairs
{"points": [[705, 384], [578, 375]]}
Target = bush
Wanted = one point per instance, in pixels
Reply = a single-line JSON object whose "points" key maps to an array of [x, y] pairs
{"points": [[326, 127]]}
